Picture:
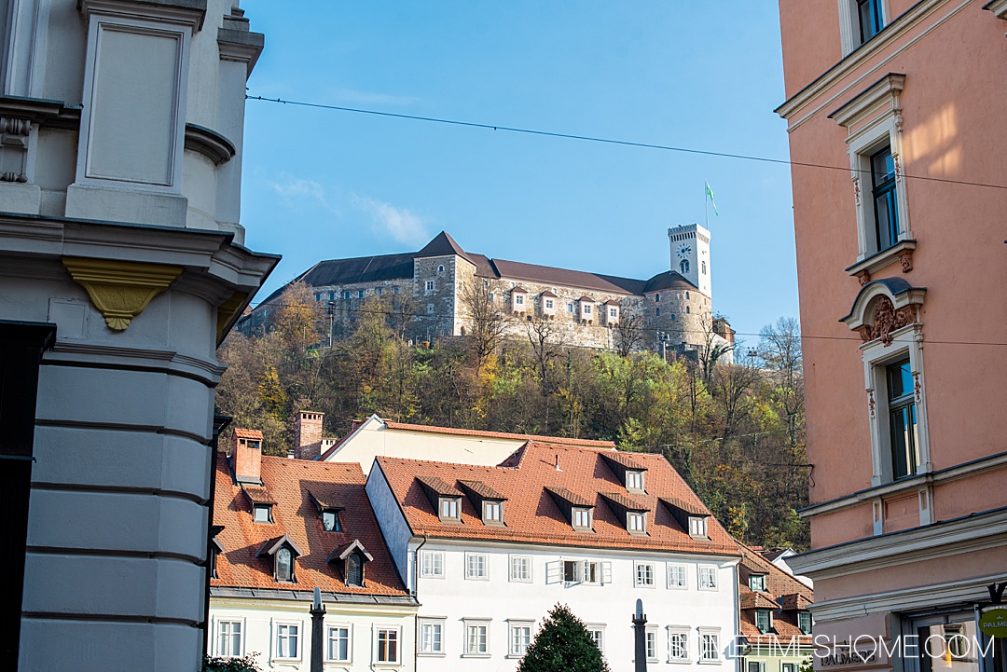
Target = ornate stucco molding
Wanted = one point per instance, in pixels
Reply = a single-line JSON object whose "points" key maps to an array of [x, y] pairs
{"points": [[884, 306], [120, 290]]}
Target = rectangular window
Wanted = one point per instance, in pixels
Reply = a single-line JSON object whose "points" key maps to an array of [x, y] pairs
{"points": [[651, 640], [346, 295], [476, 566], [492, 512], [697, 526], [613, 312], [634, 480], [432, 564], [708, 578], [261, 513], [429, 286], [886, 207], [476, 639], [763, 620], [678, 646], [361, 293], [644, 575], [756, 666], [430, 309], [678, 576], [709, 647], [339, 644], [902, 419], [388, 645], [520, 569], [586, 309], [870, 18], [597, 633], [330, 521], [288, 640], [449, 507], [520, 638], [804, 621], [229, 639], [582, 519], [519, 299], [788, 667], [431, 637], [581, 571], [636, 522], [757, 581], [569, 307], [549, 304]]}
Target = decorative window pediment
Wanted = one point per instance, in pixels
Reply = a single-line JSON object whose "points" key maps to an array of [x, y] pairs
{"points": [[884, 306], [284, 552], [353, 557]]}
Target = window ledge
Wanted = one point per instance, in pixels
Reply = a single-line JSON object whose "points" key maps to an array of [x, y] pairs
{"points": [[998, 7], [431, 655], [476, 655], [902, 251]]}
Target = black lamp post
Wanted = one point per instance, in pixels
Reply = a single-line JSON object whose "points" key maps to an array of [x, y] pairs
{"points": [[640, 638], [317, 635]]}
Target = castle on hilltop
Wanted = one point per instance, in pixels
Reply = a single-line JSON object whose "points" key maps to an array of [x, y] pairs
{"points": [[438, 287]]}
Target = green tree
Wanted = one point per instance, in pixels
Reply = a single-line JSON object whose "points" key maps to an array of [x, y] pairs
{"points": [[563, 644], [243, 664]]}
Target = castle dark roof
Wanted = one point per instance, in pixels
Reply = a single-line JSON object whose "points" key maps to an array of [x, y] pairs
{"points": [[548, 275], [442, 245], [668, 280]]}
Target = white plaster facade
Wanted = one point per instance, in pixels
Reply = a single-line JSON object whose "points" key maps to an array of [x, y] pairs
{"points": [[119, 204], [363, 627]]}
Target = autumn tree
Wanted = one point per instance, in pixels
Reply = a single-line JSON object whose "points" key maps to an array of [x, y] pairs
{"points": [[487, 325], [563, 644]]}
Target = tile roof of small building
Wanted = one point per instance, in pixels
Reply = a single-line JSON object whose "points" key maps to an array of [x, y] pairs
{"points": [[784, 594], [459, 431], [243, 433], [295, 516], [533, 515]]}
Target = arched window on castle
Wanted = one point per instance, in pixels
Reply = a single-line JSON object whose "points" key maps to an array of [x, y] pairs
{"points": [[703, 267], [684, 265]]}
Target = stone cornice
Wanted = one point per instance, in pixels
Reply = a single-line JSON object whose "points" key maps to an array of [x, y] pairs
{"points": [[885, 90], [243, 46], [185, 12], [306, 596], [40, 110], [940, 539], [209, 143], [120, 290]]}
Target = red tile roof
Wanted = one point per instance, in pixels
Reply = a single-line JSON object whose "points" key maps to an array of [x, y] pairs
{"points": [[243, 433], [533, 516], [293, 483], [784, 594], [627, 502], [563, 440]]}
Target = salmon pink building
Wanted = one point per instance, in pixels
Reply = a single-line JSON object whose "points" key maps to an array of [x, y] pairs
{"points": [[894, 109]]}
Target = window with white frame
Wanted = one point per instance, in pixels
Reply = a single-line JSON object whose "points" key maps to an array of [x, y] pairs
{"points": [[520, 569], [636, 522], [634, 480], [597, 633], [586, 309], [569, 307], [756, 666], [477, 637], [476, 566], [288, 641], [582, 519], [449, 508], [387, 645], [229, 639], [432, 564], [613, 312], [519, 637], [804, 621], [262, 513], [707, 577], [678, 644], [644, 575], [651, 641], [330, 521], [361, 293], [757, 581], [338, 645], [284, 565], [697, 526], [860, 20], [428, 286], [549, 304], [788, 667], [678, 576], [431, 632], [581, 571], [764, 620], [492, 512], [709, 646], [440, 269], [519, 299]]}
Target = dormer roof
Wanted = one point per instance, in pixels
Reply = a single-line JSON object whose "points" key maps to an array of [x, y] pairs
{"points": [[481, 490], [624, 502], [547, 294], [258, 495], [343, 551], [586, 299], [569, 497], [326, 501], [758, 600], [518, 289], [271, 546], [442, 245], [439, 486]]}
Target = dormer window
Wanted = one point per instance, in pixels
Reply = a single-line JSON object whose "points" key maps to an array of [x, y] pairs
{"points": [[764, 620], [492, 512], [582, 519], [804, 621], [449, 508], [331, 522], [587, 309], [353, 557], [636, 522], [697, 526], [354, 570], [284, 565], [262, 513], [757, 582], [634, 480], [549, 304], [519, 299]]}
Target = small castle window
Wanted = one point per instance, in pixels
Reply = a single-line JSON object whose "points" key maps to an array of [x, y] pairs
{"points": [[379, 291], [569, 307], [549, 304], [687, 309], [346, 294], [702, 265], [672, 316], [430, 309], [518, 299], [657, 298], [687, 296], [613, 312], [587, 309], [318, 297], [657, 312], [684, 266], [440, 269], [361, 293], [429, 286]]}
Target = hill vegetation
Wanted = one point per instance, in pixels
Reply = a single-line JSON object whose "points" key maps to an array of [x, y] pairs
{"points": [[735, 431]]}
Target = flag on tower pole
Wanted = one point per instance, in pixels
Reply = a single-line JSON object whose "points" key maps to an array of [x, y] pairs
{"points": [[713, 202]]}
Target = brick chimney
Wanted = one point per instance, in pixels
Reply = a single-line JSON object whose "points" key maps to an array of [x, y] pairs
{"points": [[246, 455], [308, 435]]}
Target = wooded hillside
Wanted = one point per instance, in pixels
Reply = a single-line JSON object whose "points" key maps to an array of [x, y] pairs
{"points": [[735, 432]]}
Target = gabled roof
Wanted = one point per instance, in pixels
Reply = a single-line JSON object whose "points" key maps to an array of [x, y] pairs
{"points": [[442, 245], [271, 546], [783, 592], [547, 294], [758, 600], [295, 519], [536, 494], [243, 433], [689, 508], [325, 499], [459, 431], [623, 461], [625, 502], [481, 490], [439, 486], [342, 551], [258, 494]]}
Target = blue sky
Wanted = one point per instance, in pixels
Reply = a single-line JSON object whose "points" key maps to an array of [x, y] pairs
{"points": [[323, 184]]}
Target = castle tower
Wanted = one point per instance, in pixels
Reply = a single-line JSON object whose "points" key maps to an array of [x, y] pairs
{"points": [[690, 255]]}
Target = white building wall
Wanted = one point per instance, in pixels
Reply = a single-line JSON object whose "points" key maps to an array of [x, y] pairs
{"points": [[372, 439], [454, 599], [393, 525], [259, 619]]}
